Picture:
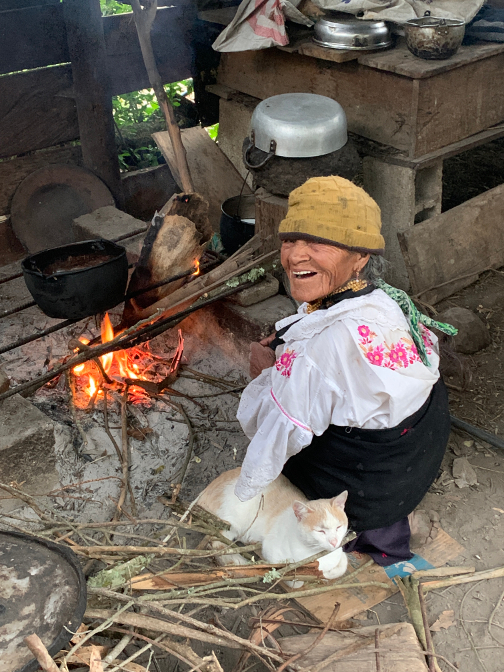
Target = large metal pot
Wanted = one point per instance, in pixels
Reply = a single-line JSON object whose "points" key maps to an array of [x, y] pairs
{"points": [[434, 38], [78, 280], [296, 125], [340, 32], [237, 222]]}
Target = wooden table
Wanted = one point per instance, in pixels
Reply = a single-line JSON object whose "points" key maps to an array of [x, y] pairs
{"points": [[407, 113]]}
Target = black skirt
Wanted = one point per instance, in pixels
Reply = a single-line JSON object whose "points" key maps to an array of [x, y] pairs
{"points": [[387, 472]]}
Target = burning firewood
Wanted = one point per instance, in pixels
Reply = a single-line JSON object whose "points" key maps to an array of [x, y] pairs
{"points": [[175, 249]]}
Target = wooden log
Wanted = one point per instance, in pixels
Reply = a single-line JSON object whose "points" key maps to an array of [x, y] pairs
{"points": [[92, 91], [150, 623], [176, 579], [170, 247], [447, 252], [41, 654]]}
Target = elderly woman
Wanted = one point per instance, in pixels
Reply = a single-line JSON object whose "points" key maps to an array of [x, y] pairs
{"points": [[348, 394]]}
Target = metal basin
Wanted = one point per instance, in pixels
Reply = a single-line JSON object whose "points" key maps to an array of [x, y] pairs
{"points": [[337, 32], [434, 38], [296, 125]]}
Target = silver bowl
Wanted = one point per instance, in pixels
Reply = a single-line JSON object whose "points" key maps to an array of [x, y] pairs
{"points": [[298, 125], [337, 32], [434, 38]]}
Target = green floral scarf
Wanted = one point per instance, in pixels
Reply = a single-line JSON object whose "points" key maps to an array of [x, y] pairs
{"points": [[415, 317]]}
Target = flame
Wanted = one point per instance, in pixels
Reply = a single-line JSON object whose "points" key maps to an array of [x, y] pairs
{"points": [[91, 388], [80, 367], [198, 270], [133, 364], [107, 334]]}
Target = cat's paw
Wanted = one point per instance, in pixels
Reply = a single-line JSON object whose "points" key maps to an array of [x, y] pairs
{"points": [[223, 560], [295, 584], [333, 565]]}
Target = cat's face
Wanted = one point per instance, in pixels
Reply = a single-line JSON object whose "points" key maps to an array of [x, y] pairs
{"points": [[323, 522]]}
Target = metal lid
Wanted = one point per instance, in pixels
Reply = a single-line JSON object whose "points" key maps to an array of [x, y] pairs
{"points": [[42, 591], [299, 125]]}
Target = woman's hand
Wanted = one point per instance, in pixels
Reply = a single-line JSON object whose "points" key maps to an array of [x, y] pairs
{"points": [[261, 356]]}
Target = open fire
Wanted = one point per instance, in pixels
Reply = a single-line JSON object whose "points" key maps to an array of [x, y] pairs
{"points": [[137, 363]]}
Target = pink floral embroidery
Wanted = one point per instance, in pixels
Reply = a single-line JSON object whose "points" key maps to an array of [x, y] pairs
{"points": [[366, 334], [426, 337], [375, 355], [285, 361], [391, 356]]}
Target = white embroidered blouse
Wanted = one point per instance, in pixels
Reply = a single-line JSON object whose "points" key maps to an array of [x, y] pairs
{"points": [[352, 365]]}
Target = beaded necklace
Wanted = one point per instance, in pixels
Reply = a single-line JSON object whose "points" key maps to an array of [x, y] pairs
{"points": [[355, 285]]}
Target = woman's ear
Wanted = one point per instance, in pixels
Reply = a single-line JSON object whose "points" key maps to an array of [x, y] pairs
{"points": [[363, 259]]}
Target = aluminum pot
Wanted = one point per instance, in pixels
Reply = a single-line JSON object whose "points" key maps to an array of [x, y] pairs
{"points": [[434, 38], [337, 32], [237, 222], [78, 280], [296, 125]]}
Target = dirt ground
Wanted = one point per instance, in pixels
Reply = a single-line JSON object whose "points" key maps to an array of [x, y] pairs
{"points": [[473, 515]]}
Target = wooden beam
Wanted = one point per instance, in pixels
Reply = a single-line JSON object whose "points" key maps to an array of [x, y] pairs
{"points": [[32, 113], [36, 37], [32, 38], [447, 252], [86, 46]]}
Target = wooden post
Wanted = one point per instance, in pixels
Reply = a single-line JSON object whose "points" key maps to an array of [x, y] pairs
{"points": [[144, 19], [86, 45]]}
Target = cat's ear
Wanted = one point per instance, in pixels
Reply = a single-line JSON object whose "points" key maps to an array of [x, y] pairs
{"points": [[340, 500], [300, 509]]}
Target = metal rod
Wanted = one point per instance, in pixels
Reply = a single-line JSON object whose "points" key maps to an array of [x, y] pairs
{"points": [[137, 232], [17, 309], [8, 278], [477, 432], [34, 337], [145, 333]]}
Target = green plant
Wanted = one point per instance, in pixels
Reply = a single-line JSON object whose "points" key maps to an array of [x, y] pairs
{"points": [[213, 131], [110, 7], [138, 106], [135, 158]]}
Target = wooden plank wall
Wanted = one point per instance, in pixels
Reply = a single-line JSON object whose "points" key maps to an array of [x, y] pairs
{"points": [[37, 109]]}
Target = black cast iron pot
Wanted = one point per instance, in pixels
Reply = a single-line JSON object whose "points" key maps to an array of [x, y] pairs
{"points": [[78, 280], [237, 222]]}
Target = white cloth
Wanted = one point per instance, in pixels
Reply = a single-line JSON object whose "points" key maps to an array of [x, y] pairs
{"points": [[353, 365], [259, 24]]}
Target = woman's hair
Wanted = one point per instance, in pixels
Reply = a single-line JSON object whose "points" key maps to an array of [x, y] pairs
{"points": [[375, 268]]}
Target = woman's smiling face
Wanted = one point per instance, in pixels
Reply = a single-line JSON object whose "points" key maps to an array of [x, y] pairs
{"points": [[315, 269]]}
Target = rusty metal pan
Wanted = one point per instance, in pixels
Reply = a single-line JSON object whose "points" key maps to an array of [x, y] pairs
{"points": [[42, 591]]}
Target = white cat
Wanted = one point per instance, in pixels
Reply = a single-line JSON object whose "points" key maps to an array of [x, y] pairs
{"points": [[290, 527]]}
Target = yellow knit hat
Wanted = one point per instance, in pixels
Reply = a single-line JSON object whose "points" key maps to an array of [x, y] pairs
{"points": [[335, 211]]}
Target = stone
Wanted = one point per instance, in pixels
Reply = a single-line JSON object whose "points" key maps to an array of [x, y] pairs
{"points": [[110, 223], [4, 381], [252, 323], [463, 473], [259, 292], [472, 333], [27, 453]]}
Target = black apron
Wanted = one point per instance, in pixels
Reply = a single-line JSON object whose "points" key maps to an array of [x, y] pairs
{"points": [[387, 472]]}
